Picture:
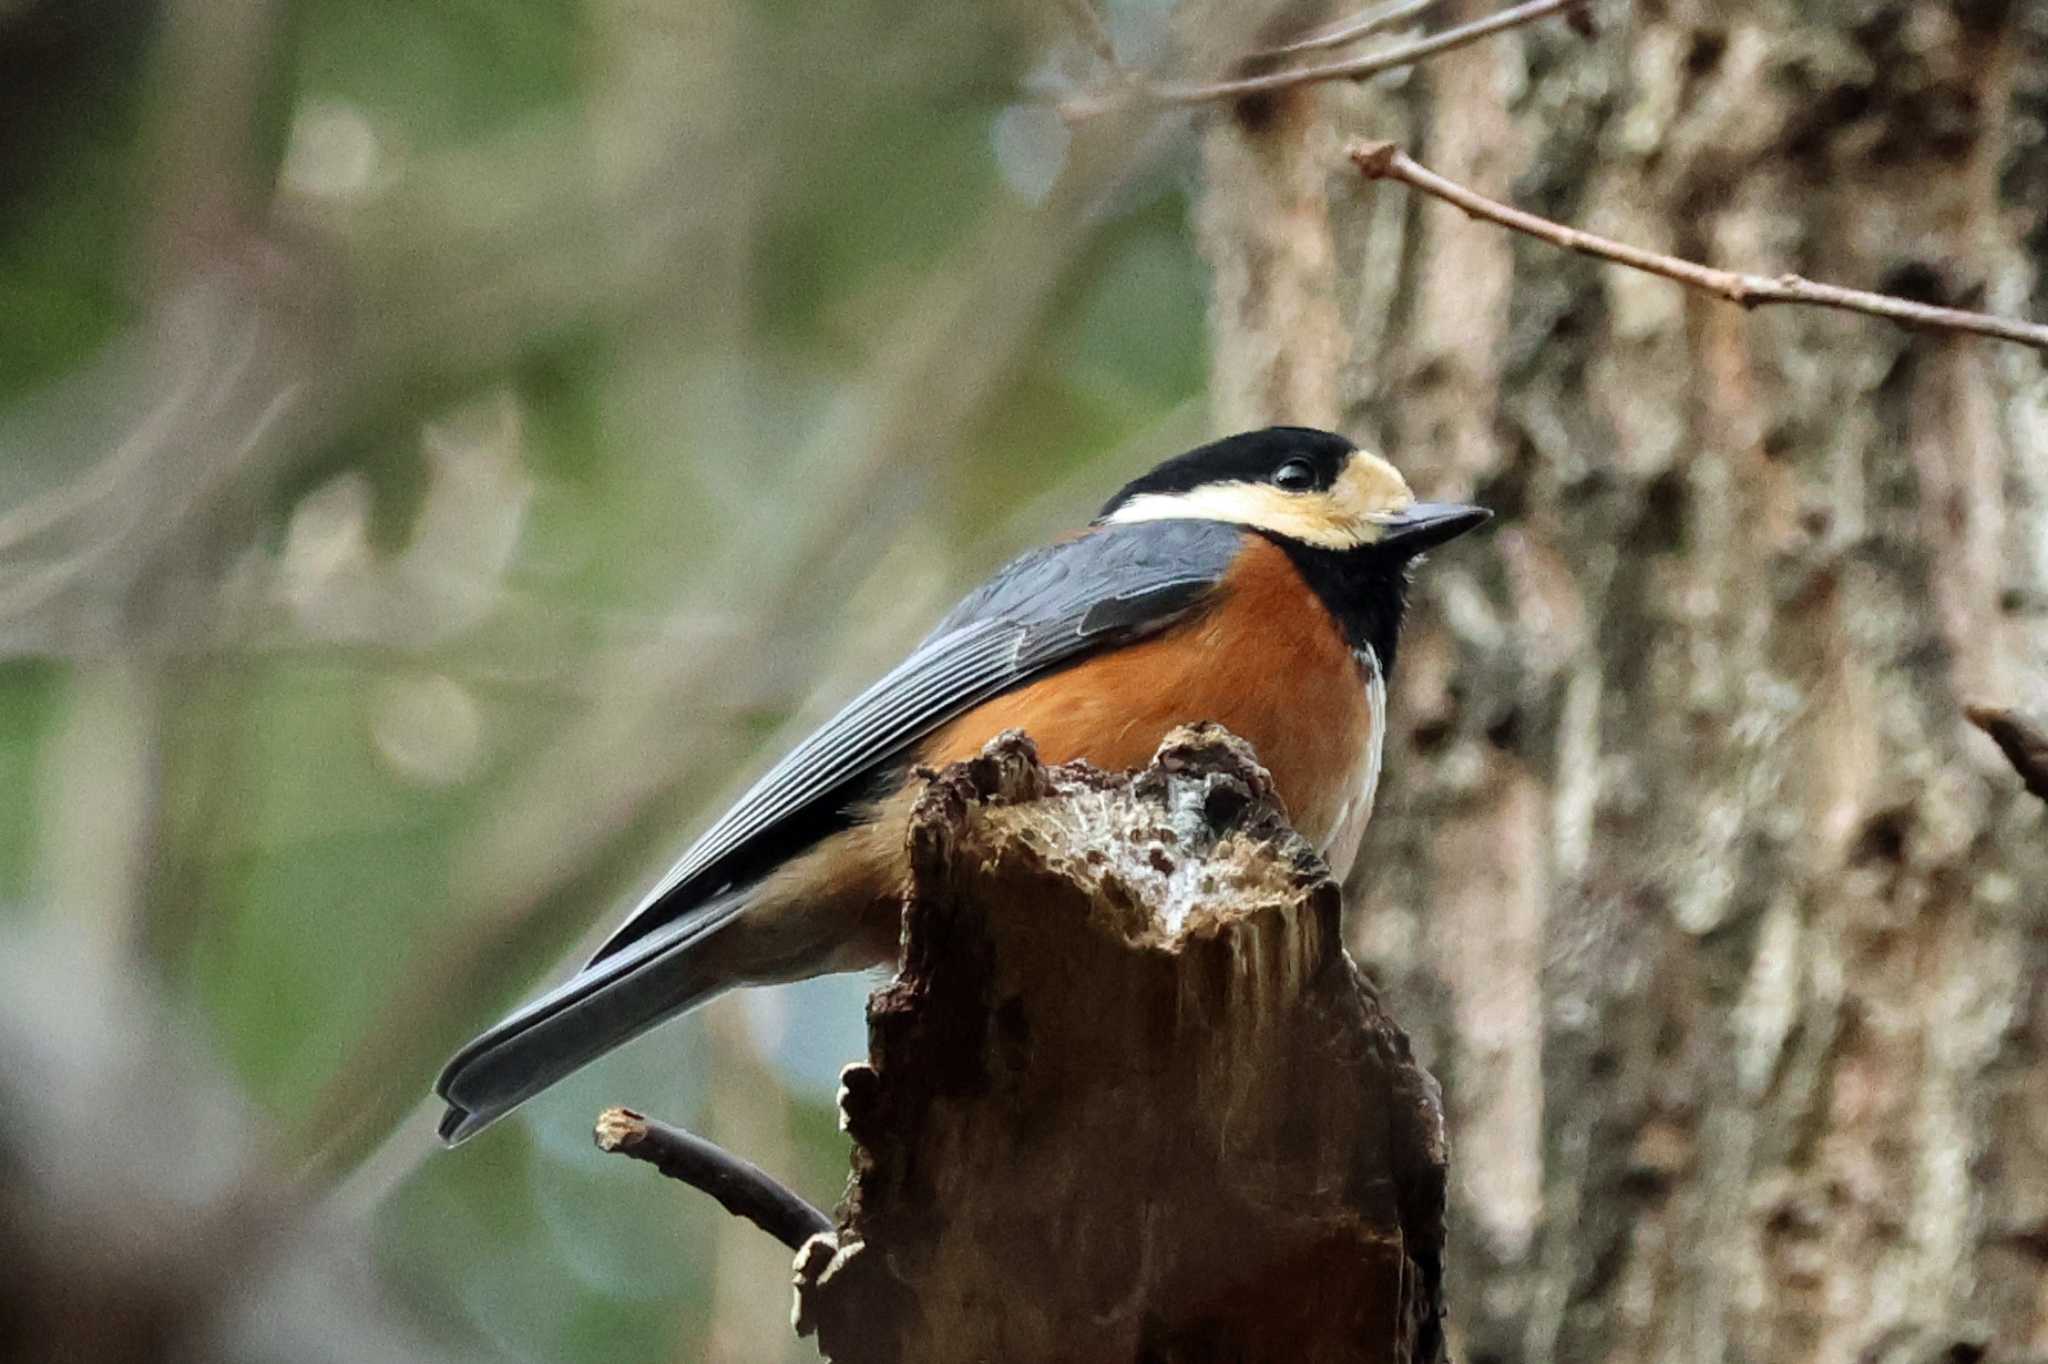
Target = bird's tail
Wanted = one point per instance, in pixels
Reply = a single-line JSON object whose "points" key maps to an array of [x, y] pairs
{"points": [[605, 1005]]}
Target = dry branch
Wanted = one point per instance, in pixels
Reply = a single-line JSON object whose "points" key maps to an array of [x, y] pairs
{"points": [[1127, 1097], [1385, 161], [1354, 29], [1351, 68], [741, 1187], [2023, 742]]}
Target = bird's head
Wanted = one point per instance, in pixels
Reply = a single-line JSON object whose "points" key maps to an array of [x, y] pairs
{"points": [[1312, 487]]}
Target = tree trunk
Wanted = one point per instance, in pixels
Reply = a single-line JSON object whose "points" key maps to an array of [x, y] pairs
{"points": [[1725, 934], [1127, 1097]]}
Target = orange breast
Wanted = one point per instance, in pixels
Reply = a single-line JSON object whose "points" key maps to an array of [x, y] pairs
{"points": [[1267, 662]]}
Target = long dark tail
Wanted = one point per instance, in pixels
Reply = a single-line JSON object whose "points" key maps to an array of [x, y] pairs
{"points": [[603, 1006]]}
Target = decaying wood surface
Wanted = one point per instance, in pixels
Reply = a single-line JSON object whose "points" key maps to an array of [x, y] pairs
{"points": [[1127, 1098]]}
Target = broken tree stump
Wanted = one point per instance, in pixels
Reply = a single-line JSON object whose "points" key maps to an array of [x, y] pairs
{"points": [[1127, 1098]]}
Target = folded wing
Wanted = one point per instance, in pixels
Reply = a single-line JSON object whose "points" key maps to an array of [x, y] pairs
{"points": [[1042, 610], [1048, 608]]}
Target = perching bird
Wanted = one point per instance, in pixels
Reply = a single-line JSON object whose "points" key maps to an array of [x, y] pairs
{"points": [[1258, 581]]}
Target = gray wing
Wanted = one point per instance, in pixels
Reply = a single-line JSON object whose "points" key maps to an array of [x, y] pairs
{"points": [[1113, 584]]}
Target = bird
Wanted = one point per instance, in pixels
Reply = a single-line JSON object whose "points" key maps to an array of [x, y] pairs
{"points": [[1258, 581]]}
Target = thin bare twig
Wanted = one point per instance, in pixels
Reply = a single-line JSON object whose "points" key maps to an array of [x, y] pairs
{"points": [[1378, 19], [1385, 161], [1352, 68], [741, 1187], [2023, 742]]}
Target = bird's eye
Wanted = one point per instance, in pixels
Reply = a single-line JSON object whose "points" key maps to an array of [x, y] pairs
{"points": [[1295, 476]]}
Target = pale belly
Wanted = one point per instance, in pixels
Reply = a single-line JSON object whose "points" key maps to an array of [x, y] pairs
{"points": [[1339, 846]]}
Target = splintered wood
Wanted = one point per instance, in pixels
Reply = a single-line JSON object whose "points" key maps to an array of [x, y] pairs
{"points": [[1127, 1098]]}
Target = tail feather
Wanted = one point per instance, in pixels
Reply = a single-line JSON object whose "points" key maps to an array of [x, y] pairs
{"points": [[602, 1007]]}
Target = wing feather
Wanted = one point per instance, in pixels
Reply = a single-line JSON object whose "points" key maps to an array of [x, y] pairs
{"points": [[1044, 609]]}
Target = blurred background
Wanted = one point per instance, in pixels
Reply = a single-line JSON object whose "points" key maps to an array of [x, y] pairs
{"points": [[447, 447]]}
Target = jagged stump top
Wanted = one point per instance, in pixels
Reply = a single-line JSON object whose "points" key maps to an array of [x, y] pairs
{"points": [[1127, 1098]]}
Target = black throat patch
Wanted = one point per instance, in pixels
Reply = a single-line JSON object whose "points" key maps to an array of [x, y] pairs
{"points": [[1365, 589]]}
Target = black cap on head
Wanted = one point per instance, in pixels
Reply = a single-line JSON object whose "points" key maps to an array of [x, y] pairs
{"points": [[1250, 457]]}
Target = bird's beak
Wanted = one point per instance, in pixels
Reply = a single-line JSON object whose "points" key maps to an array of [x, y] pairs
{"points": [[1425, 525]]}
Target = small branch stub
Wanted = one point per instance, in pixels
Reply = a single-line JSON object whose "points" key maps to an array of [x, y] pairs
{"points": [[741, 1187], [1127, 1098], [2024, 743]]}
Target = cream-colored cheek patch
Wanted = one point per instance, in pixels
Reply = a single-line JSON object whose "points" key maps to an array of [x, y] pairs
{"points": [[1340, 518]]}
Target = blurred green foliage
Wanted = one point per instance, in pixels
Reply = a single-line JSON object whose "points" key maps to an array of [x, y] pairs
{"points": [[318, 782]]}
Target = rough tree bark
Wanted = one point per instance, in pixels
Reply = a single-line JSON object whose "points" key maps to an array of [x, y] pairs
{"points": [[1276, 340], [1724, 932], [1128, 1099]]}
